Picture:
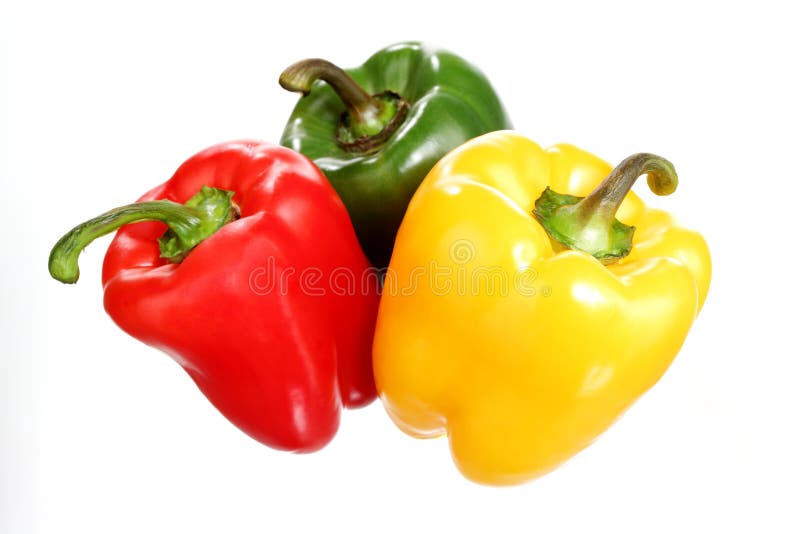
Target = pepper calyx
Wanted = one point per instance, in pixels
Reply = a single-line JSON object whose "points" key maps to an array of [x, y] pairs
{"points": [[361, 140], [215, 209], [368, 120], [606, 245], [589, 224], [188, 225]]}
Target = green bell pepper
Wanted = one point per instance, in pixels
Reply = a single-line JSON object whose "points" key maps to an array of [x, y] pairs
{"points": [[376, 130]]}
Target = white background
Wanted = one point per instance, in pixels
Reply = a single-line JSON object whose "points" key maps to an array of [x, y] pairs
{"points": [[101, 101]]}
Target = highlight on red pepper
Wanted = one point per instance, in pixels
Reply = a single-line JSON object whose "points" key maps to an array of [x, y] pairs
{"points": [[376, 130], [212, 274]]}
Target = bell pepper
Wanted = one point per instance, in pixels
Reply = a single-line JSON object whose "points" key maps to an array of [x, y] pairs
{"points": [[229, 272], [376, 130], [519, 316]]}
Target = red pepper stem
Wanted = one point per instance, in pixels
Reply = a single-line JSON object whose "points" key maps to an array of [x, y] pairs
{"points": [[189, 224], [590, 224]]}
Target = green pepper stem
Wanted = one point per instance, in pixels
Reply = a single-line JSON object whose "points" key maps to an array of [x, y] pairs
{"points": [[300, 77], [589, 224], [369, 120], [188, 224]]}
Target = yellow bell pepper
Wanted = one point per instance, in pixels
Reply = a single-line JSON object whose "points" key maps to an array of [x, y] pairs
{"points": [[523, 344]]}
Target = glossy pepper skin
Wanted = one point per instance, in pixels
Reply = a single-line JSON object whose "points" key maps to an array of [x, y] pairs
{"points": [[520, 351], [277, 354], [449, 102]]}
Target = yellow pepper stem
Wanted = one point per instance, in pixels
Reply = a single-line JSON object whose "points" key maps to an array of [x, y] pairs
{"points": [[590, 224]]}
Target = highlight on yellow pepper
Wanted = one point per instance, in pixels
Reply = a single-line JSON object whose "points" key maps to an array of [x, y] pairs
{"points": [[521, 318]]}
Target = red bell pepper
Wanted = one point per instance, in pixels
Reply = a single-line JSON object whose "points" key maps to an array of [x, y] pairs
{"points": [[248, 286]]}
